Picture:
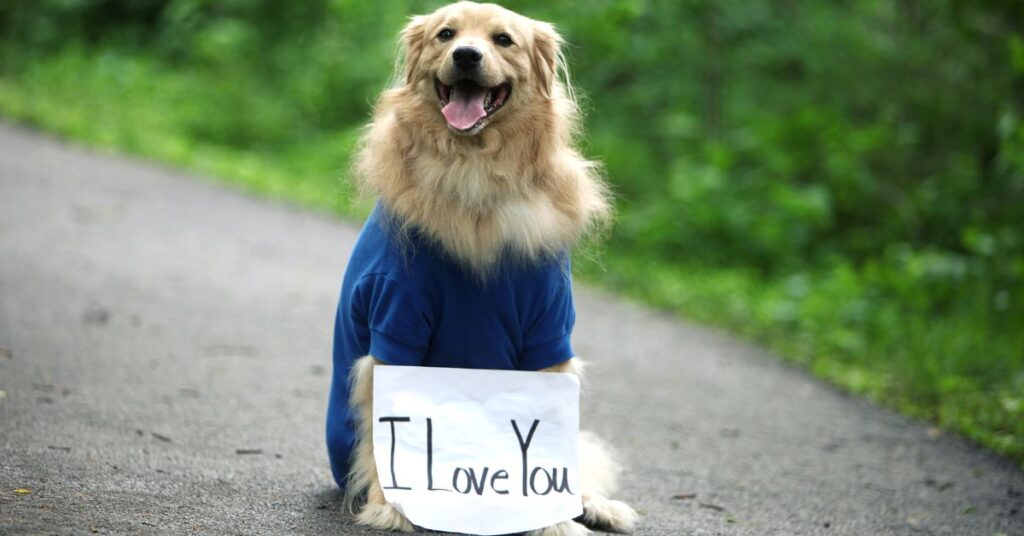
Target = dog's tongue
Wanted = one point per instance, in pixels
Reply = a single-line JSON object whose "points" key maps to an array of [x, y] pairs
{"points": [[466, 106]]}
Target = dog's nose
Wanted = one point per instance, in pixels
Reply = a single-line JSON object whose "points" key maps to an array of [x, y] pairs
{"points": [[467, 58]]}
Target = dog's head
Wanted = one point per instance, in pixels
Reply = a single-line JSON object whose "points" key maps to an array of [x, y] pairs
{"points": [[480, 64]]}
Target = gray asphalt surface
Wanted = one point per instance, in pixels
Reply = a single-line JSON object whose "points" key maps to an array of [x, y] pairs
{"points": [[164, 361]]}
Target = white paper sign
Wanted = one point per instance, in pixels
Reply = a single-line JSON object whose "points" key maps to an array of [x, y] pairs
{"points": [[477, 451]]}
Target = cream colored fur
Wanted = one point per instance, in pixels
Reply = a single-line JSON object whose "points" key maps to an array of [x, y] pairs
{"points": [[517, 187]]}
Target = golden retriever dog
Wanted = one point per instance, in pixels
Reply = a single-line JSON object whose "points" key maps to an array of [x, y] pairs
{"points": [[471, 155]]}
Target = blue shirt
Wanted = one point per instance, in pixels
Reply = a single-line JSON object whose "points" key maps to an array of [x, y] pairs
{"points": [[407, 303]]}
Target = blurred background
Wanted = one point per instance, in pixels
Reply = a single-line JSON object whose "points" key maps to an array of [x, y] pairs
{"points": [[840, 181]]}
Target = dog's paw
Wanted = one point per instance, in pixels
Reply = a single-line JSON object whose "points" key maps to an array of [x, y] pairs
{"points": [[565, 528], [608, 515], [384, 517]]}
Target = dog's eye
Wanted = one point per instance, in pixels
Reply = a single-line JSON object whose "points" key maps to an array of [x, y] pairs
{"points": [[503, 39], [446, 34]]}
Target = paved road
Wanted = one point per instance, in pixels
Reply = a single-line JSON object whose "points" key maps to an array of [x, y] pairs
{"points": [[164, 364]]}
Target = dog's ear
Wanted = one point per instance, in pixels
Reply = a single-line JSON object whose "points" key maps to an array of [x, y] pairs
{"points": [[546, 56], [413, 41]]}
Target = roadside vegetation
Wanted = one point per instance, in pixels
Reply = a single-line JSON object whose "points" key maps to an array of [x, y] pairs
{"points": [[842, 182]]}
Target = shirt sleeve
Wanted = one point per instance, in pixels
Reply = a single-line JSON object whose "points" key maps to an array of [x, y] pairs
{"points": [[400, 324], [546, 342]]}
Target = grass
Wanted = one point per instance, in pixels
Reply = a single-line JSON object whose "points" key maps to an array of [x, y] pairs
{"points": [[850, 326], [128, 103]]}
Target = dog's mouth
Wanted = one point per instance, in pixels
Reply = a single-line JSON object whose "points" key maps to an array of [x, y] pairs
{"points": [[467, 105]]}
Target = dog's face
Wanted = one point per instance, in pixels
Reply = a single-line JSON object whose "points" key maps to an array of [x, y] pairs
{"points": [[480, 64]]}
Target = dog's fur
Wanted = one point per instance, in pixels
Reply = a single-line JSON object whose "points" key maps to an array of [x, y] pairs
{"points": [[517, 186], [511, 187]]}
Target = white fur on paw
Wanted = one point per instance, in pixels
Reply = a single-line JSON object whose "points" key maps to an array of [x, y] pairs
{"points": [[565, 528], [384, 517], [608, 514]]}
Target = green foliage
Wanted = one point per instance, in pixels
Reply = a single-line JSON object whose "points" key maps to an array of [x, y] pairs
{"points": [[128, 101], [843, 181]]}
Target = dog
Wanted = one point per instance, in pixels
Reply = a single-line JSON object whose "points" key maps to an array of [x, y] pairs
{"points": [[464, 261]]}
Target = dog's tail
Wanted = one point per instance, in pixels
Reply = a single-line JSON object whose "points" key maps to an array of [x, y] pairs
{"points": [[599, 471]]}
